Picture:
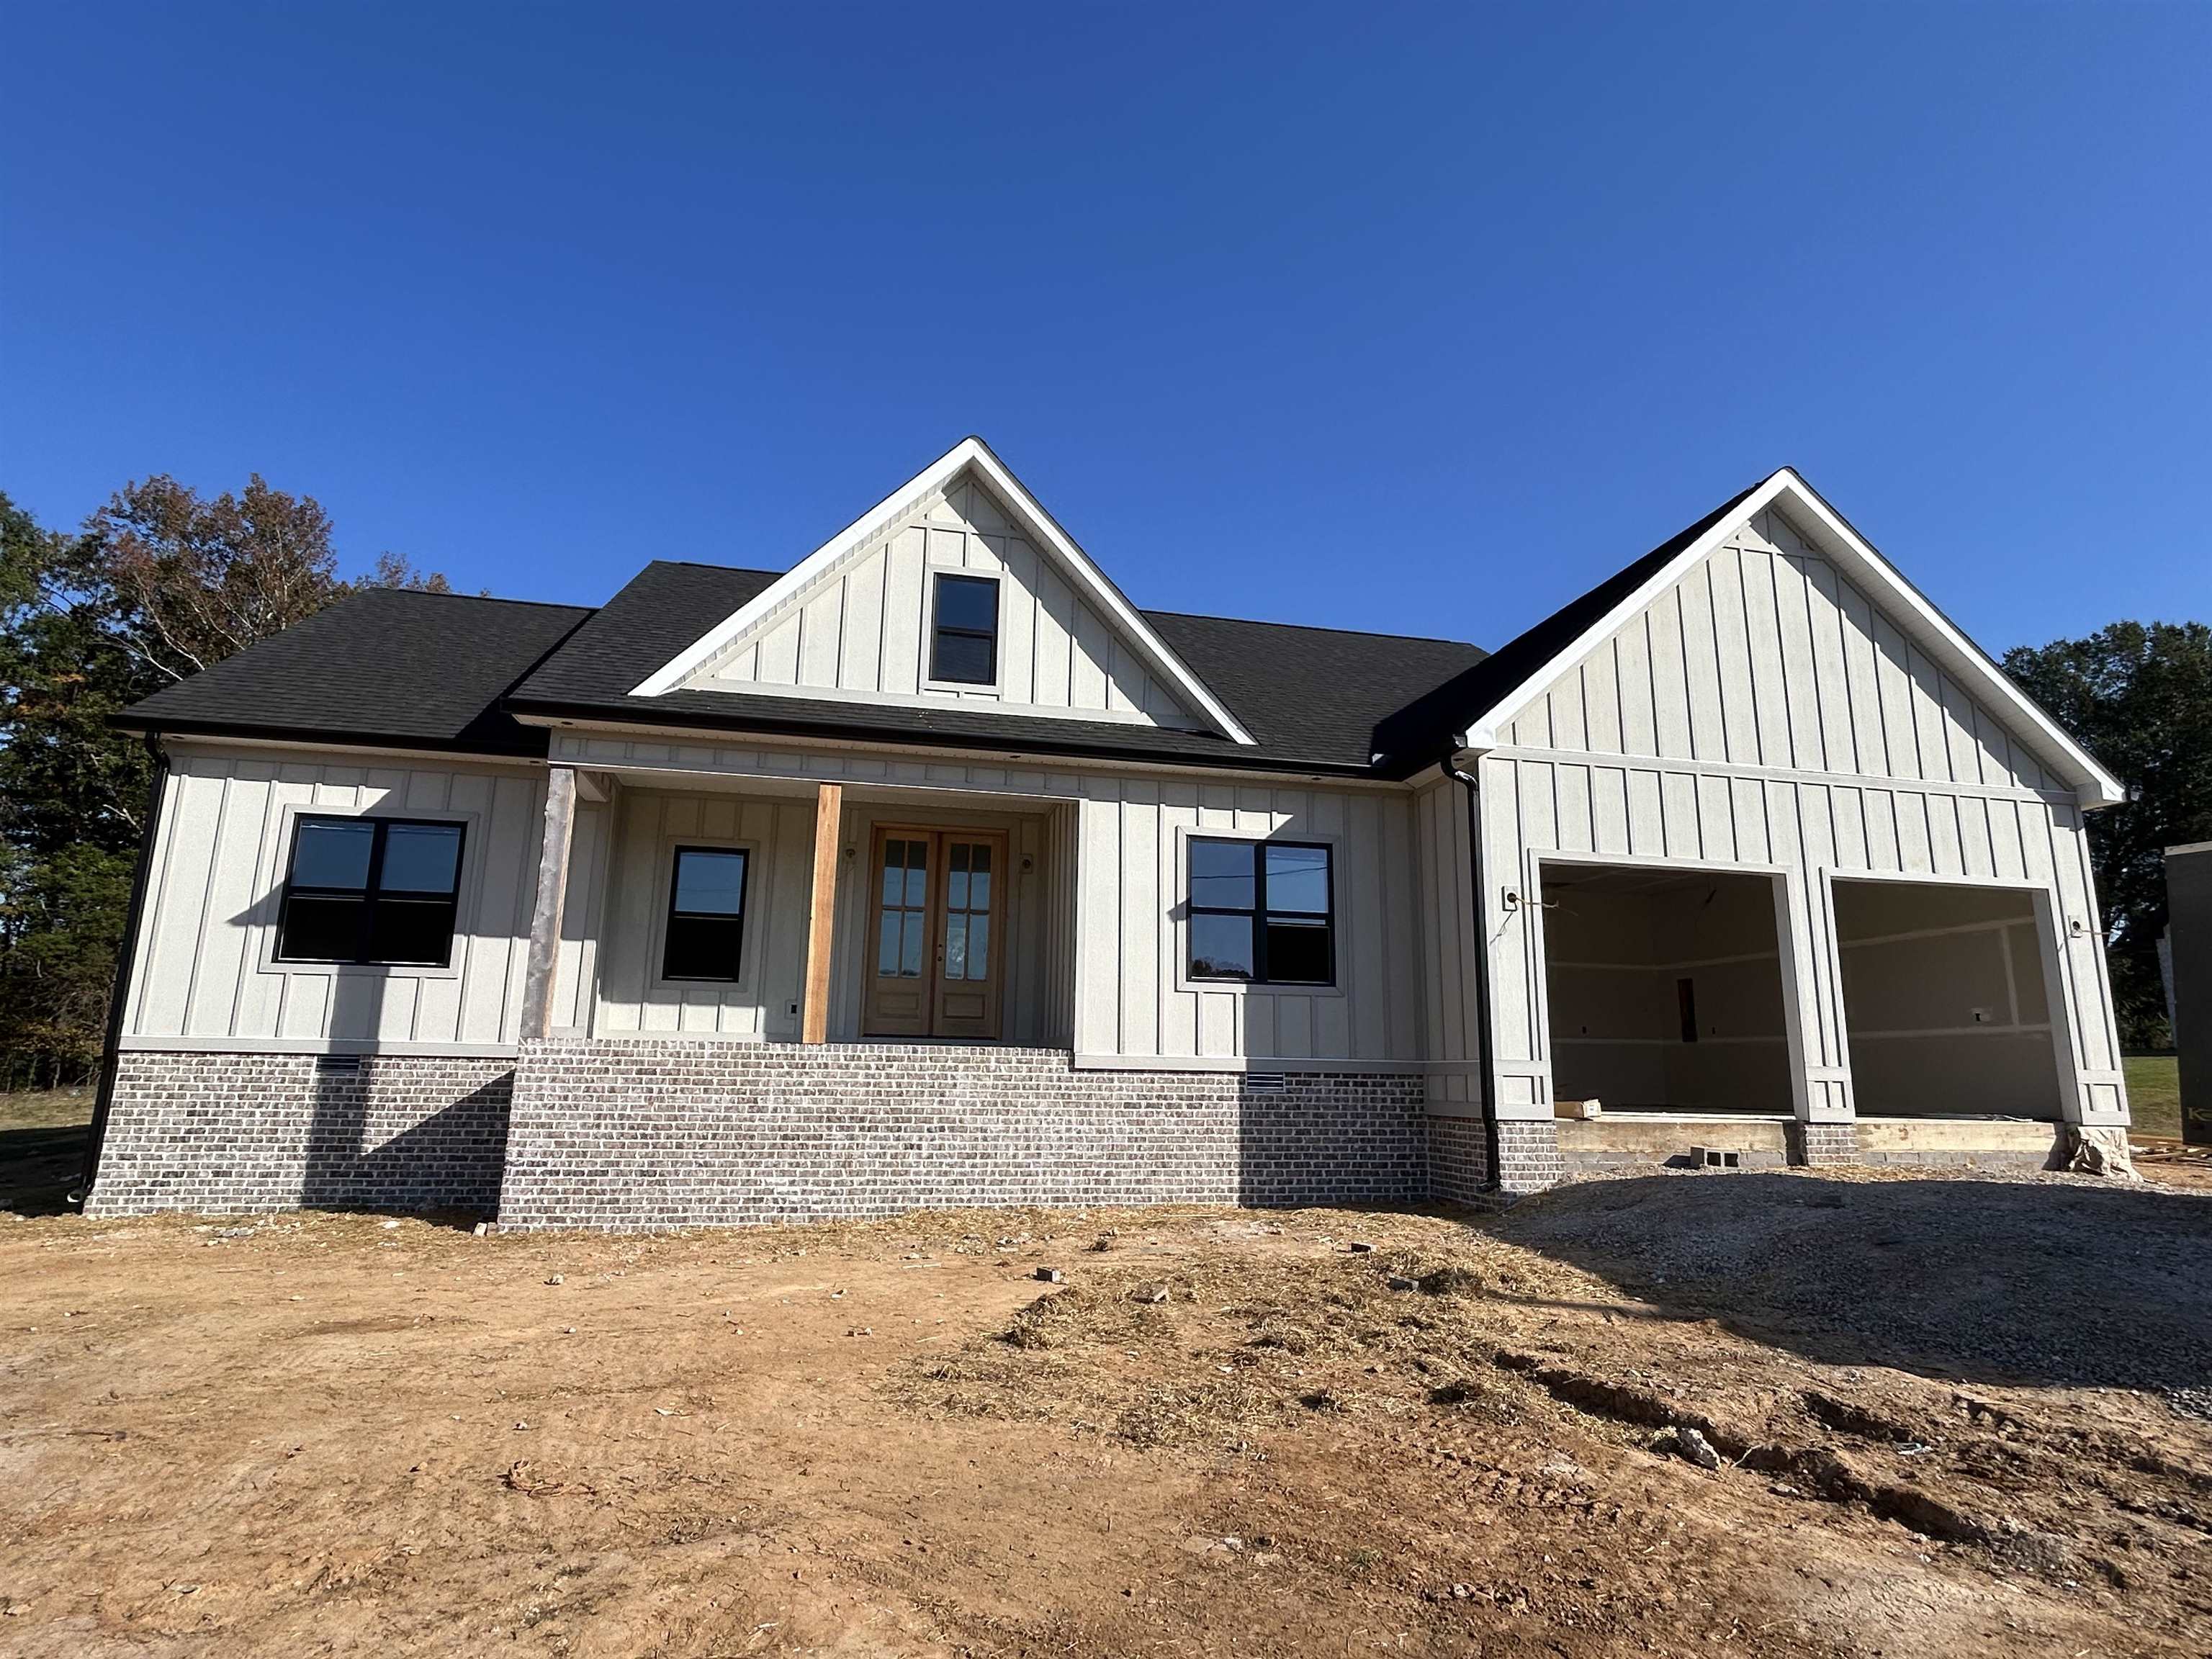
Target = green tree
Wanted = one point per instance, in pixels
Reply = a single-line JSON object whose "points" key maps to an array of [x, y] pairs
{"points": [[72, 797], [2139, 697], [160, 582]]}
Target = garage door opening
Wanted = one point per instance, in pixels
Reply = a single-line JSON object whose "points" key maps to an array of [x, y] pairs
{"points": [[1945, 1001], [1665, 990]]}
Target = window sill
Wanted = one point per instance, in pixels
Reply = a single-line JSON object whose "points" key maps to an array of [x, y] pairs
{"points": [[1247, 989]]}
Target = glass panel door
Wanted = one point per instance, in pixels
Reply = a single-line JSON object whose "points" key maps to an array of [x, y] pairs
{"points": [[967, 993], [899, 991], [936, 933]]}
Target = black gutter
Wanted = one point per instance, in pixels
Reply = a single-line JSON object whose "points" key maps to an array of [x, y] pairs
{"points": [[1484, 1074], [127, 956]]}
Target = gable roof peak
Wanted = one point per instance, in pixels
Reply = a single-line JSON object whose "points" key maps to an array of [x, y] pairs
{"points": [[1523, 669], [972, 454]]}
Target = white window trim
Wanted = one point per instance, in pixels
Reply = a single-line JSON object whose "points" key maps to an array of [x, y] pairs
{"points": [[1180, 912], [994, 688], [745, 987], [276, 864]]}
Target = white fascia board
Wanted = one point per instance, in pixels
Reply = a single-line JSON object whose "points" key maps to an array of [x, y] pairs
{"points": [[975, 453], [1482, 732], [1952, 650], [673, 673], [1929, 628]]}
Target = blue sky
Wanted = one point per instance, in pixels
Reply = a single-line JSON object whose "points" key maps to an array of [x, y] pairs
{"points": [[1418, 320]]}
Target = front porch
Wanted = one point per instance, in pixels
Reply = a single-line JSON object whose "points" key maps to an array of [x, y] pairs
{"points": [[767, 908]]}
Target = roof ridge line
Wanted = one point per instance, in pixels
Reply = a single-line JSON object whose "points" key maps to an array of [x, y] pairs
{"points": [[1321, 628], [481, 598]]}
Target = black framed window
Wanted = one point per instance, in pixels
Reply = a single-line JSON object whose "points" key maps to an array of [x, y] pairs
{"points": [[1262, 912], [706, 913], [371, 890], [964, 647]]}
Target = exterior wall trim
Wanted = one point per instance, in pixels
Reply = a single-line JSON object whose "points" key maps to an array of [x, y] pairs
{"points": [[1782, 774], [1059, 763], [155, 1044], [1085, 1060]]}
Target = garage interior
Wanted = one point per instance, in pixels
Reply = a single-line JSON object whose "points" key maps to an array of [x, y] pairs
{"points": [[1945, 1001], [1665, 990]]}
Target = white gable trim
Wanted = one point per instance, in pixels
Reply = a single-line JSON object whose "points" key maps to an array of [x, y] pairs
{"points": [[968, 452], [1834, 539]]}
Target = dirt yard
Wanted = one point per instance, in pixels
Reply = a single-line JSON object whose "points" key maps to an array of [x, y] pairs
{"points": [[1950, 1416]]}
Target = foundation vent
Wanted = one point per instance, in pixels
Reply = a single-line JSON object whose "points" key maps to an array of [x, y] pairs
{"points": [[1713, 1158], [1264, 1083], [327, 1063]]}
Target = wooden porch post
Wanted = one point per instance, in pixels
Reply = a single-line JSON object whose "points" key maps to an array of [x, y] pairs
{"points": [[822, 911], [552, 897]]}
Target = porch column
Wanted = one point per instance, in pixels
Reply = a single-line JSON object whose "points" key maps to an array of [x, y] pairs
{"points": [[822, 911], [1826, 1131], [559, 830]]}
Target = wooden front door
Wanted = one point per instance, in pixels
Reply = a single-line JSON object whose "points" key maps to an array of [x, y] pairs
{"points": [[938, 945]]}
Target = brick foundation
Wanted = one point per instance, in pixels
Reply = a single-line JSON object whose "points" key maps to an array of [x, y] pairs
{"points": [[1818, 1145], [1459, 1160], [671, 1133], [223, 1133], [1528, 1156]]}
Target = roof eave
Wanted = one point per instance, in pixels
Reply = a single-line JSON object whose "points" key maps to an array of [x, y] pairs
{"points": [[645, 714], [2092, 786]]}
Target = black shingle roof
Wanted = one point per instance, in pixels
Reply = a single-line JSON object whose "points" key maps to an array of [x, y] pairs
{"points": [[385, 665], [1311, 696], [1420, 731], [441, 672]]}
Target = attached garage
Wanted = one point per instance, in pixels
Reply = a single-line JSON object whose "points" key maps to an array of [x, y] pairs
{"points": [[1945, 1000], [1768, 857], [1665, 989]]}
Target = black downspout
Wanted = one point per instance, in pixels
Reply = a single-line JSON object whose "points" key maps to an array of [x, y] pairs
{"points": [[1481, 962], [127, 956]]}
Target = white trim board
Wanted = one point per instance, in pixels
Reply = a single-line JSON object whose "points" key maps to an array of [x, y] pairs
{"points": [[1834, 539], [970, 453], [153, 1043]]}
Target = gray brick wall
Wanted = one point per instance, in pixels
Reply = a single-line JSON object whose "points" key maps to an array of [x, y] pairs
{"points": [[1528, 1156], [671, 1132], [222, 1133], [1818, 1144], [1459, 1160]]}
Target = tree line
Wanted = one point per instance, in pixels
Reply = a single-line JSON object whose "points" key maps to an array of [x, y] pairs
{"points": [[161, 582]]}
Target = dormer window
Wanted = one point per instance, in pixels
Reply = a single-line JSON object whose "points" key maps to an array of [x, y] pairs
{"points": [[964, 647]]}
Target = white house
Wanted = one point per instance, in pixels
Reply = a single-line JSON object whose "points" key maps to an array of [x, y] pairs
{"points": [[931, 871]]}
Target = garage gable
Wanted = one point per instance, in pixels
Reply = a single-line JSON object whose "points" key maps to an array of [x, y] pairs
{"points": [[1777, 639]]}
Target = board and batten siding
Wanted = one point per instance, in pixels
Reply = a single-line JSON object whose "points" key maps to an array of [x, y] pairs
{"points": [[1134, 1002], [860, 631], [206, 972], [643, 829], [1109, 916], [1760, 712]]}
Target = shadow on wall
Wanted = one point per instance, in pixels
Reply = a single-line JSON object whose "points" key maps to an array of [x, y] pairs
{"points": [[368, 1144], [1996, 1282], [1337, 1140]]}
